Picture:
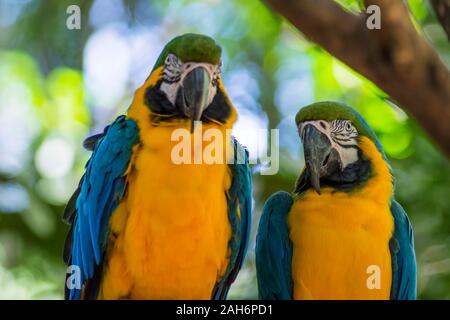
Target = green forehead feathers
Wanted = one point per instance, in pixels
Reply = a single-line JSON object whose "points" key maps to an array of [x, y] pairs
{"points": [[191, 47]]}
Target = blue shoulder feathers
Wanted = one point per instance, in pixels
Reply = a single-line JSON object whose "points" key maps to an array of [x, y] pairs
{"points": [[239, 198], [98, 195], [274, 249], [403, 257]]}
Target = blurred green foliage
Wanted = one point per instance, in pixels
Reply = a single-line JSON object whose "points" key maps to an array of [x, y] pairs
{"points": [[57, 85]]}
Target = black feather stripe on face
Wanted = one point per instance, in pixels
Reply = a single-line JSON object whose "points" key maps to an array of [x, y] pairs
{"points": [[219, 109], [158, 103], [355, 175]]}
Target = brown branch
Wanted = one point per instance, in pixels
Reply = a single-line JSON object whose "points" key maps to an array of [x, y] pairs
{"points": [[442, 10], [396, 58]]}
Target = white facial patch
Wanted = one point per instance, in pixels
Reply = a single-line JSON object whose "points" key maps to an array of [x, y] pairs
{"points": [[175, 71], [342, 135]]}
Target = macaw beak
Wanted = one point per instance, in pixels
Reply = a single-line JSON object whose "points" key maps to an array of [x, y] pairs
{"points": [[317, 148], [196, 87]]}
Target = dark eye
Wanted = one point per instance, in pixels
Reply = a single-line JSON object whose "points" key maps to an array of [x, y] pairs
{"points": [[348, 126], [172, 68], [322, 124], [172, 61], [215, 80]]}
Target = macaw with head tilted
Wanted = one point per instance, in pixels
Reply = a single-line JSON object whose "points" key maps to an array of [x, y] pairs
{"points": [[340, 234], [145, 226]]}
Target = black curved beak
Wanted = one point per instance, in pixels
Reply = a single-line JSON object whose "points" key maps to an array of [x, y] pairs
{"points": [[317, 148], [196, 87]]}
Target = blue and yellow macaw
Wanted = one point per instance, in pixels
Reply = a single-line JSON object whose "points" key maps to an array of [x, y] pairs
{"points": [[145, 227], [341, 234]]}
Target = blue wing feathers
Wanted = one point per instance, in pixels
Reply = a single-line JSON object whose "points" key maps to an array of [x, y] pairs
{"points": [[274, 249], [239, 200], [101, 189], [404, 282]]}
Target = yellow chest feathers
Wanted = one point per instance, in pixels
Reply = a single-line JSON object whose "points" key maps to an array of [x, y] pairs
{"points": [[341, 240], [172, 229]]}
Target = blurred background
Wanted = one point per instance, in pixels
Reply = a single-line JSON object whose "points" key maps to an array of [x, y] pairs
{"points": [[59, 85]]}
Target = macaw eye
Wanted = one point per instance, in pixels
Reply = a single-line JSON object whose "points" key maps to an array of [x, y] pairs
{"points": [[172, 60], [172, 68], [323, 124], [216, 74], [348, 126]]}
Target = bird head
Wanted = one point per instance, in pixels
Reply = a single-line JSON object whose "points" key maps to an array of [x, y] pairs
{"points": [[185, 82], [332, 135]]}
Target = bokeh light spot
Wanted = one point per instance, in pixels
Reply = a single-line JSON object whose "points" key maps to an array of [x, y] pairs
{"points": [[55, 157]]}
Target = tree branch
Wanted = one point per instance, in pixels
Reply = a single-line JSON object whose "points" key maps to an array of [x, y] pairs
{"points": [[395, 57]]}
